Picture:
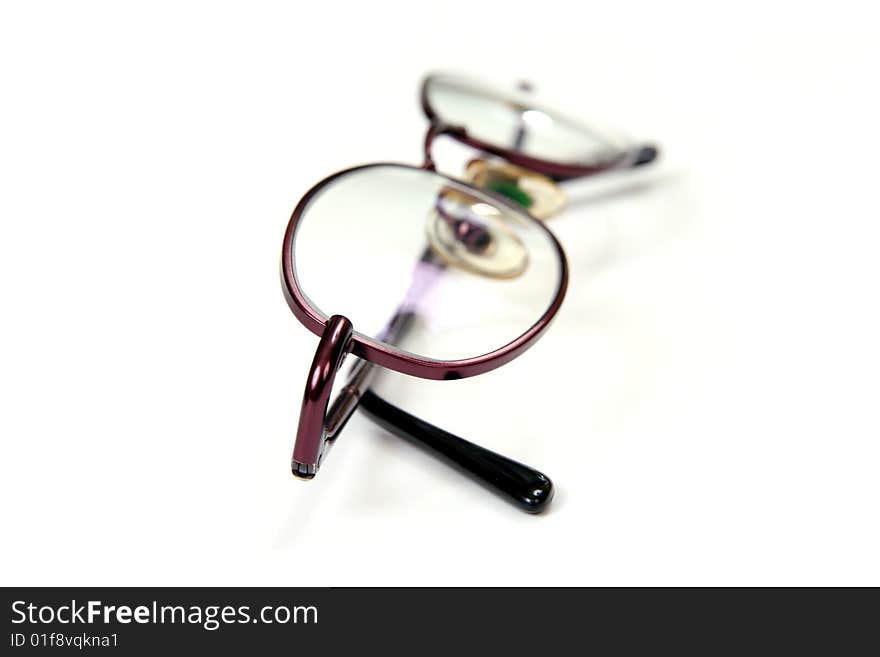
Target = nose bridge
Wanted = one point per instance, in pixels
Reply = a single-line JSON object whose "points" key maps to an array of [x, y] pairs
{"points": [[435, 129]]}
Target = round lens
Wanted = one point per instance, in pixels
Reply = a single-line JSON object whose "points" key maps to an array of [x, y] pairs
{"points": [[513, 122], [423, 264]]}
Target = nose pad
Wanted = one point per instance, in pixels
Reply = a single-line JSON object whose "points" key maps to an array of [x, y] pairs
{"points": [[469, 233], [537, 193]]}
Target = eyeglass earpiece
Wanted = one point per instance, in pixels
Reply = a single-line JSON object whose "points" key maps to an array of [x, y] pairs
{"points": [[646, 155]]}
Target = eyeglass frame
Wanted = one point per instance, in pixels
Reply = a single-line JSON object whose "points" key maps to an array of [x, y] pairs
{"points": [[317, 429]]}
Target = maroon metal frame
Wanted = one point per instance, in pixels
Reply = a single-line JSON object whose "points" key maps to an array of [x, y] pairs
{"points": [[328, 358], [558, 170], [338, 337], [381, 354]]}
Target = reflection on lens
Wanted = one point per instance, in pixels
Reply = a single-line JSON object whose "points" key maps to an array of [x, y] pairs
{"points": [[470, 273], [512, 121], [468, 232]]}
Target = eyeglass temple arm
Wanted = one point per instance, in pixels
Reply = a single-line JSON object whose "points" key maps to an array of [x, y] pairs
{"points": [[520, 484], [360, 377], [311, 433], [524, 486], [644, 154], [319, 425]]}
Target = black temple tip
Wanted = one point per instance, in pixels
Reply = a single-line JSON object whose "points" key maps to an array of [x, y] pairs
{"points": [[646, 155], [538, 498]]}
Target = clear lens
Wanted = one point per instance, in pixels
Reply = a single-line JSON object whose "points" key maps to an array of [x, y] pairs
{"points": [[383, 241], [512, 121]]}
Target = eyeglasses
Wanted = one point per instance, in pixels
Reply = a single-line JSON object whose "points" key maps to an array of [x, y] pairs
{"points": [[411, 270]]}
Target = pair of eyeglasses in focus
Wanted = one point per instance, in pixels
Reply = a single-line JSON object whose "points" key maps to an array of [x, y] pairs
{"points": [[408, 269]]}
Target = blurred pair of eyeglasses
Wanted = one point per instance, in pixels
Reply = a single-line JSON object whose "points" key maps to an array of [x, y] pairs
{"points": [[412, 270]]}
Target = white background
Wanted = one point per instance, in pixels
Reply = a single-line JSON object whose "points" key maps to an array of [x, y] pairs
{"points": [[706, 401]]}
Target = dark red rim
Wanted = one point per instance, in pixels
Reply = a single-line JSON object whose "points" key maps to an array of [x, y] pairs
{"points": [[558, 170], [376, 352]]}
